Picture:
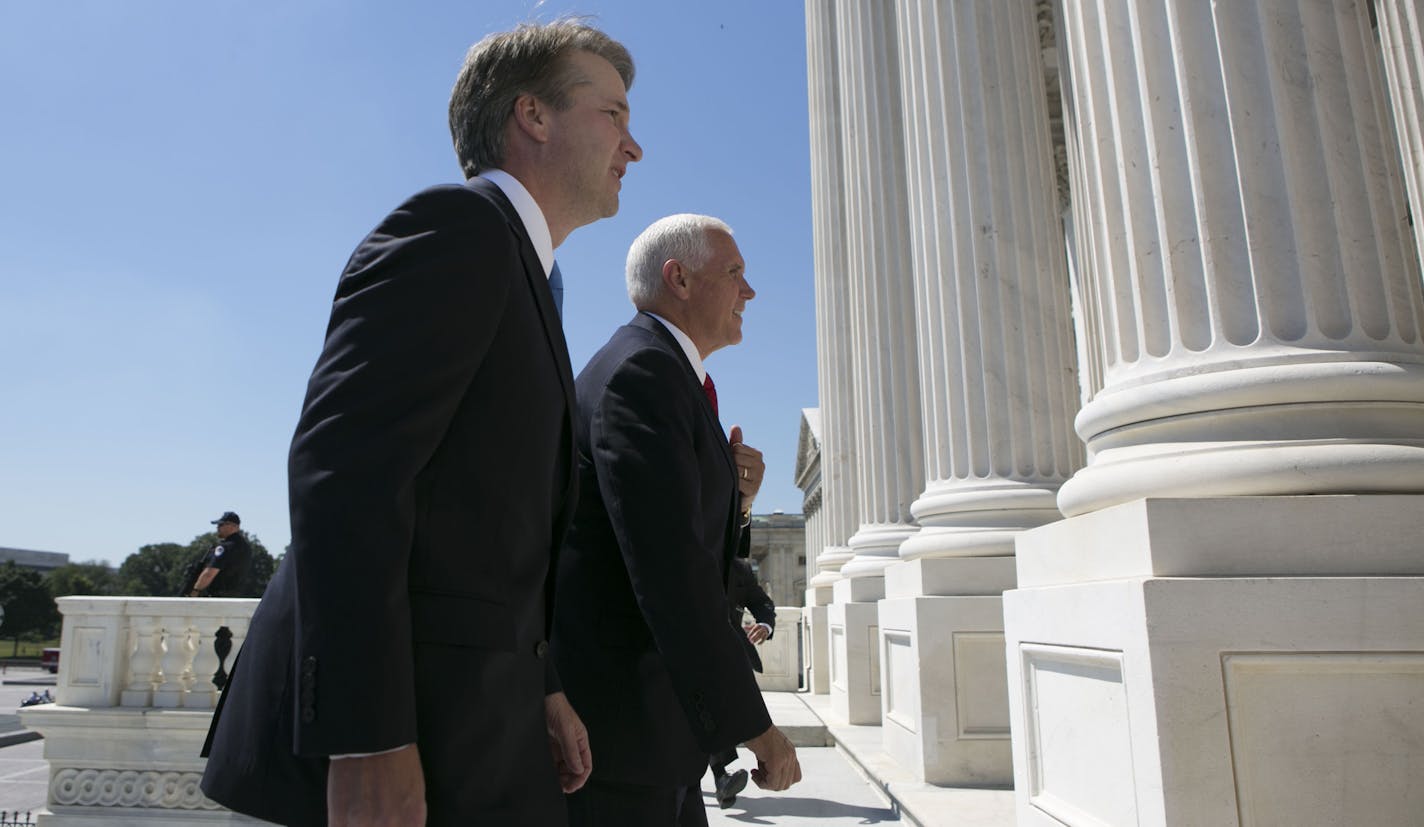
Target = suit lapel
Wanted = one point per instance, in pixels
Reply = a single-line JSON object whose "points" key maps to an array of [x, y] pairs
{"points": [[552, 324], [647, 322], [729, 549]]}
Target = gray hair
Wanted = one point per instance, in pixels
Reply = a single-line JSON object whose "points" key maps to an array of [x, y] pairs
{"points": [[683, 237], [532, 59]]}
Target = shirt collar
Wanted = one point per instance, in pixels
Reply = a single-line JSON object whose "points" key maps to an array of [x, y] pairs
{"points": [[693, 357], [529, 213]]}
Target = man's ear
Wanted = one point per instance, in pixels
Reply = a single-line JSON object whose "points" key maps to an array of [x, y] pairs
{"points": [[531, 117], [675, 279]]}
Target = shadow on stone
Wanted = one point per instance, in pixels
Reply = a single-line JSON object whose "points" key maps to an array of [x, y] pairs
{"points": [[753, 810]]}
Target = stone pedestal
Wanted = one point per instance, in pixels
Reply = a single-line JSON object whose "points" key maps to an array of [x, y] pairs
{"points": [[817, 655], [854, 647], [780, 655], [1221, 661], [138, 677], [944, 699]]}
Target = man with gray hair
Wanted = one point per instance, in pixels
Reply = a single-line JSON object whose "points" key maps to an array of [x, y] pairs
{"points": [[396, 671], [641, 633]]}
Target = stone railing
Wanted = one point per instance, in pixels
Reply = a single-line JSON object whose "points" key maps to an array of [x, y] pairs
{"points": [[138, 679]]}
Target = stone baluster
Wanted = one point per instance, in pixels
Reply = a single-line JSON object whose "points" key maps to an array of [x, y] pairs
{"points": [[997, 382], [1401, 27], [833, 300], [145, 659], [882, 313], [202, 694], [175, 662], [1256, 299]]}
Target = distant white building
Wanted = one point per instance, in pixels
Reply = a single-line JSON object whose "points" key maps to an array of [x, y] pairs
{"points": [[778, 555], [31, 559]]}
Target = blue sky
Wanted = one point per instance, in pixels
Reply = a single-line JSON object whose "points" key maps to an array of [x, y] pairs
{"points": [[181, 184]]}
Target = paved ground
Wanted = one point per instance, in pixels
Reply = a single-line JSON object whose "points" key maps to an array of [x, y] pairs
{"points": [[831, 792], [24, 776]]}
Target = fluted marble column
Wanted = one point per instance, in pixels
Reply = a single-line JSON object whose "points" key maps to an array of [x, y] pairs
{"points": [[996, 358], [1401, 27], [1196, 643], [886, 376], [840, 506], [1256, 299]]}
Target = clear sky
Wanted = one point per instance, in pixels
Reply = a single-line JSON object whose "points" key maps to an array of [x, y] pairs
{"points": [[181, 183]]}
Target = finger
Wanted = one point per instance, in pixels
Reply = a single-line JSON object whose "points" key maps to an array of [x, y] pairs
{"points": [[735, 437], [573, 755], [586, 756]]}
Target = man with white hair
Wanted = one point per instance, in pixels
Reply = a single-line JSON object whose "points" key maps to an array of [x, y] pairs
{"points": [[641, 637]]}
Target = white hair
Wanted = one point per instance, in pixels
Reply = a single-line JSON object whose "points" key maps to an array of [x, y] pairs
{"points": [[682, 237]]}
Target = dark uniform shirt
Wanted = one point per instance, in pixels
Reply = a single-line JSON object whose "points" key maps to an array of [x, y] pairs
{"points": [[231, 557]]}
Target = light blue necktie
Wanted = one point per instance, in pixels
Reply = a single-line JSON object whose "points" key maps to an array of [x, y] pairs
{"points": [[556, 284]]}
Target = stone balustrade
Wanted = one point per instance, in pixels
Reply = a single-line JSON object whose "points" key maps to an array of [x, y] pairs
{"points": [[138, 679]]}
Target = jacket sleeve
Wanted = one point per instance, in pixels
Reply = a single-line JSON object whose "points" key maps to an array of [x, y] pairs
{"points": [[671, 533], [760, 604], [414, 315]]}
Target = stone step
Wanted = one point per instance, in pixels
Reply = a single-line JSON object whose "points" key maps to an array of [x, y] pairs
{"points": [[795, 720]]}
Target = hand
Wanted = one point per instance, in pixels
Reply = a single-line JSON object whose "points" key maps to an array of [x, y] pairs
{"points": [[568, 742], [758, 633], [777, 767], [386, 790], [750, 466]]}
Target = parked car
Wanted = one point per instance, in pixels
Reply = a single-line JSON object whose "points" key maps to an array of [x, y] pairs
{"points": [[49, 659]]}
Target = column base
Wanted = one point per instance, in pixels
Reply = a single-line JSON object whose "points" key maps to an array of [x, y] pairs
{"points": [[876, 546], [819, 594], [945, 695], [1220, 662], [950, 576], [854, 647], [817, 658]]}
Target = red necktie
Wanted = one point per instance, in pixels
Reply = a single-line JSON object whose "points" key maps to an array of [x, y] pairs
{"points": [[711, 390]]}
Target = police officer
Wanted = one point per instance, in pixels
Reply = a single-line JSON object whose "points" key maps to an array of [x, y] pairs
{"points": [[225, 567]]}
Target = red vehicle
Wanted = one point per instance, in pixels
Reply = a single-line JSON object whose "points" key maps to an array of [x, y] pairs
{"points": [[49, 659]]}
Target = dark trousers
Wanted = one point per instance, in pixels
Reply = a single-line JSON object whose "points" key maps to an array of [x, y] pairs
{"points": [[719, 761], [605, 804]]}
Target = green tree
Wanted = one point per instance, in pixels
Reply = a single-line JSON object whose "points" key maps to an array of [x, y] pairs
{"points": [[155, 570], [29, 610], [93, 577]]}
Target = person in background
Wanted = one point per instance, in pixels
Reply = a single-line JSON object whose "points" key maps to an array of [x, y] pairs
{"points": [[743, 592], [224, 569]]}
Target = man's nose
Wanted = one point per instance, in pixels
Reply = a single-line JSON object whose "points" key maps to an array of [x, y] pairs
{"points": [[631, 147]]}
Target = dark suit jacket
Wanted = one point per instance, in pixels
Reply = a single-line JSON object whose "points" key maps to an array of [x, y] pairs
{"points": [[431, 479], [641, 636], [744, 592]]}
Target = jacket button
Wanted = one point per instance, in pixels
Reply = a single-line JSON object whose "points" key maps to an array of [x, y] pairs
{"points": [[541, 648]]}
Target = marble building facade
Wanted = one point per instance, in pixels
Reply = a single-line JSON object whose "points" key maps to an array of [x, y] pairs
{"points": [[1115, 492]]}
